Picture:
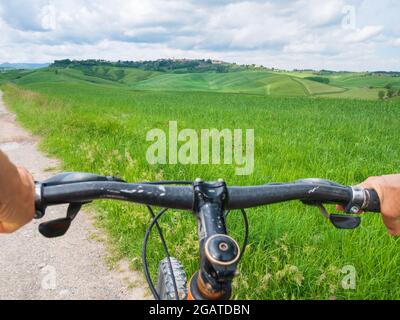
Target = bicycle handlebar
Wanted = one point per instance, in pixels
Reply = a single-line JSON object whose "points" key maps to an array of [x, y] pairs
{"points": [[181, 197], [209, 201]]}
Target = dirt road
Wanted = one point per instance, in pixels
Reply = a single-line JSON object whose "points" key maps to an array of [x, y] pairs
{"points": [[71, 267]]}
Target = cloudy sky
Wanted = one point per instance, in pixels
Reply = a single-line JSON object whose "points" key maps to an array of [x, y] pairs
{"points": [[329, 34]]}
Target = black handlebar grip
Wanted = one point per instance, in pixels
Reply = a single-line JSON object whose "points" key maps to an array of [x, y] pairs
{"points": [[374, 203]]}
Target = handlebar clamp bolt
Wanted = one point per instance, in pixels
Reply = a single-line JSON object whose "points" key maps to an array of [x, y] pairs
{"points": [[223, 246]]}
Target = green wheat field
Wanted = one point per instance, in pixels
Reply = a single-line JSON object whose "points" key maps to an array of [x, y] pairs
{"points": [[97, 122]]}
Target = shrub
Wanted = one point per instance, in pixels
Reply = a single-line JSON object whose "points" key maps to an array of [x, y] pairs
{"points": [[319, 79]]}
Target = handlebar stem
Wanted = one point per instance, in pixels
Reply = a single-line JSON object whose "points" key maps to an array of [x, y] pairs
{"points": [[219, 253]]}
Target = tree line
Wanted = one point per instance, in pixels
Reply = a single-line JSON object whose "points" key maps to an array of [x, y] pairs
{"points": [[162, 65]]}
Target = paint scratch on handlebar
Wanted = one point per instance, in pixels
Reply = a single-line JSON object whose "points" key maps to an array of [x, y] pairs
{"points": [[313, 190]]}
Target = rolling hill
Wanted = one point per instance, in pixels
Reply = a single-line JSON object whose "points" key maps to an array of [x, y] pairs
{"points": [[259, 82]]}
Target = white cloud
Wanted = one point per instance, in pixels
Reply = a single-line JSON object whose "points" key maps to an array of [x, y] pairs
{"points": [[305, 47], [396, 42], [288, 33], [318, 13], [364, 34]]}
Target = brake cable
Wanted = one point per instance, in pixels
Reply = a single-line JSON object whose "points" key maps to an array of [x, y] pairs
{"points": [[144, 253], [164, 244], [246, 231]]}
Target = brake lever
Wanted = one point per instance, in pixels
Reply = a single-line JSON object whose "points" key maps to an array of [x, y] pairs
{"points": [[59, 227], [340, 221]]}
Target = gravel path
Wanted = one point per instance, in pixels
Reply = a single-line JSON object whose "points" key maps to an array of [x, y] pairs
{"points": [[70, 267]]}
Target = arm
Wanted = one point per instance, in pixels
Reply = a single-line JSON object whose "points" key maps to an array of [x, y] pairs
{"points": [[388, 189], [17, 196]]}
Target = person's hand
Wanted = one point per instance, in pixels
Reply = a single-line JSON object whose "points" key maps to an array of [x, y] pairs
{"points": [[388, 189], [17, 196]]}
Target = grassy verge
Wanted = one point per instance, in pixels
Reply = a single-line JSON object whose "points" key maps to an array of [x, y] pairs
{"points": [[293, 253]]}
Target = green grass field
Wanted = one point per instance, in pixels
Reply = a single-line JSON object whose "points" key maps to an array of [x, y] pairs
{"points": [[96, 123]]}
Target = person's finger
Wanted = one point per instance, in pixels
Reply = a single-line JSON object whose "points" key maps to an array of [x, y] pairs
{"points": [[392, 224], [339, 207]]}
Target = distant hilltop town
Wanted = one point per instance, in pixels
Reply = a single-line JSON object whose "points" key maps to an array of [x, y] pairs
{"points": [[175, 65]]}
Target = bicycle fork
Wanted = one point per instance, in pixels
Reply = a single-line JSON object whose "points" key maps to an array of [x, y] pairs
{"points": [[219, 253]]}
